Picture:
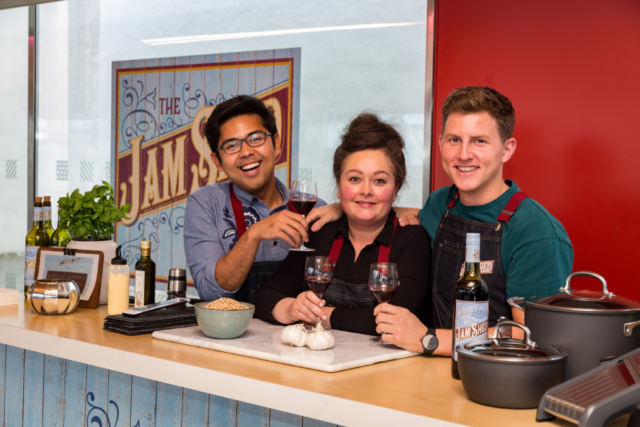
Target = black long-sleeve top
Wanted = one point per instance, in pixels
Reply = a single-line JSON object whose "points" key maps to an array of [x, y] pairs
{"points": [[410, 250]]}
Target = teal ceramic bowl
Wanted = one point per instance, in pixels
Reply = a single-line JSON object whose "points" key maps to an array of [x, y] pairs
{"points": [[223, 324]]}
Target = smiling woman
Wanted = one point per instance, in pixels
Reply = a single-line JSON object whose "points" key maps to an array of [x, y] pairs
{"points": [[369, 169]]}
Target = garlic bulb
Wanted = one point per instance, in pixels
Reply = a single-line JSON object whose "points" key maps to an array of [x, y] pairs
{"points": [[294, 335], [320, 339]]}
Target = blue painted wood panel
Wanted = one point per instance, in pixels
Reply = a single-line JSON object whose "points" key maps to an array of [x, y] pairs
{"points": [[3, 353], [222, 411], [53, 401], [39, 390], [33, 389], [252, 415], [169, 405], [310, 422], [143, 402], [119, 409], [196, 408], [75, 382], [284, 419], [14, 377]]}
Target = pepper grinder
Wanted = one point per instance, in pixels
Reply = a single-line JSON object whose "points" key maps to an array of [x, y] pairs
{"points": [[177, 285]]}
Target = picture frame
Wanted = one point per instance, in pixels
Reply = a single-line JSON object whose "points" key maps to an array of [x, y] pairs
{"points": [[82, 266]]}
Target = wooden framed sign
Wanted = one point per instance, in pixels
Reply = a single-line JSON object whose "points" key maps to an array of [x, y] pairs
{"points": [[81, 266]]}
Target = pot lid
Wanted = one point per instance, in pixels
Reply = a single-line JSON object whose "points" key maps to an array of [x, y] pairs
{"points": [[510, 350], [567, 299]]}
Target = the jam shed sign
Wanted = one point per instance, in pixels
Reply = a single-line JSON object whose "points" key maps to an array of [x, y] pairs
{"points": [[160, 155]]}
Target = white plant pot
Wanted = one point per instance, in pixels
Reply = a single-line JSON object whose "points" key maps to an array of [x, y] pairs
{"points": [[108, 248]]}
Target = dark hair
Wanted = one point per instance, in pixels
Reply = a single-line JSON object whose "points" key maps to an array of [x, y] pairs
{"points": [[239, 106], [476, 99], [368, 132]]}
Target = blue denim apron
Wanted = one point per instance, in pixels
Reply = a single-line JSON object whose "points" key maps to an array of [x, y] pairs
{"points": [[260, 272], [448, 261], [352, 295]]}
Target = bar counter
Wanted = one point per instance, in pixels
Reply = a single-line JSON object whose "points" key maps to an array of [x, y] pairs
{"points": [[407, 392]]}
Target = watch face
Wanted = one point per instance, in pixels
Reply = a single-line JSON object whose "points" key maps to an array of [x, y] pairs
{"points": [[430, 342]]}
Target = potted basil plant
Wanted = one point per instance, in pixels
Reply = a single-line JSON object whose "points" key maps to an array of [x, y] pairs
{"points": [[90, 219]]}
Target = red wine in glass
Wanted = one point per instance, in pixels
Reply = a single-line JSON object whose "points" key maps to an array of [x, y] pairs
{"points": [[318, 271], [383, 293], [303, 207], [303, 197]]}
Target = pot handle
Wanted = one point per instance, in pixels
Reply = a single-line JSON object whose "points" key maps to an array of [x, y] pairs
{"points": [[605, 291], [515, 302], [527, 332], [628, 328]]}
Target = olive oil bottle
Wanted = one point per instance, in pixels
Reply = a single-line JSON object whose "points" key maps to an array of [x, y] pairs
{"points": [[36, 238], [145, 281], [46, 215], [470, 303], [61, 236]]}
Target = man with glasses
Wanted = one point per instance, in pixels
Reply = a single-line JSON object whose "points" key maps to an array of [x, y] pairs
{"points": [[236, 233]]}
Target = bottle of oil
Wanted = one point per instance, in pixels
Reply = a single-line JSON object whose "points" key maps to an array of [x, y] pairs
{"points": [[36, 238], [145, 281], [46, 214], [61, 236], [470, 303]]}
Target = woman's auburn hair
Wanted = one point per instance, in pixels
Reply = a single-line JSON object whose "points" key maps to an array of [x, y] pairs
{"points": [[368, 132]]}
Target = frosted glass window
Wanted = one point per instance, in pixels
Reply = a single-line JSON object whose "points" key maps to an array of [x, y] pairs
{"points": [[14, 94]]}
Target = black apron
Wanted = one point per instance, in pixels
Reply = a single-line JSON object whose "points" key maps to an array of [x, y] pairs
{"points": [[260, 272], [352, 295], [448, 262]]}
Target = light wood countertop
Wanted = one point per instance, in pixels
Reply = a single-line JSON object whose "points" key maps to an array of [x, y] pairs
{"points": [[415, 387]]}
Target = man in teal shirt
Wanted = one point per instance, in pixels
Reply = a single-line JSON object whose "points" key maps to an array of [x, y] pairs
{"points": [[525, 250]]}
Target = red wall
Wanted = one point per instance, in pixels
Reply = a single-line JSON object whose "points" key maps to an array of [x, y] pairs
{"points": [[572, 70]]}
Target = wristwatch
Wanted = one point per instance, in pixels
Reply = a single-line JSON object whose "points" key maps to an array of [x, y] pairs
{"points": [[429, 342]]}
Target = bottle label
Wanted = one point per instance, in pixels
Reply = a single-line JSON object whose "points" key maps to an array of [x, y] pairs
{"points": [[139, 289], [471, 323], [38, 215], [30, 254], [472, 253], [46, 213]]}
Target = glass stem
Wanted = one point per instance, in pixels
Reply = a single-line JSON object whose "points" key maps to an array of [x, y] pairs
{"points": [[302, 241]]}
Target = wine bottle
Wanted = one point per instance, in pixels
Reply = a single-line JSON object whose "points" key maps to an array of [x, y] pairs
{"points": [[36, 238], [145, 281], [46, 215], [61, 235], [471, 303]]}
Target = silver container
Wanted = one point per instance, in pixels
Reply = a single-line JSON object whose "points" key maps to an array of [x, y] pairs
{"points": [[177, 284], [53, 296]]}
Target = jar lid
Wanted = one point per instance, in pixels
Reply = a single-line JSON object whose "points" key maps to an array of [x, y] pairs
{"points": [[567, 299], [510, 350], [118, 260]]}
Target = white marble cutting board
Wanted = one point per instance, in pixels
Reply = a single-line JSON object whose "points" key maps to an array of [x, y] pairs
{"points": [[262, 341]]}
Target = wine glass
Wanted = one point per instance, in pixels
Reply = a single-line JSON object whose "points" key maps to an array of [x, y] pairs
{"points": [[383, 282], [303, 197], [318, 272]]}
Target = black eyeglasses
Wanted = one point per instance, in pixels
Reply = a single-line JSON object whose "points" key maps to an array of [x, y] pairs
{"points": [[235, 145]]}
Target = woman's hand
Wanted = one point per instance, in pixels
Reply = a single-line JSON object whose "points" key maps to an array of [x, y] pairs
{"points": [[306, 307], [323, 215], [399, 326]]}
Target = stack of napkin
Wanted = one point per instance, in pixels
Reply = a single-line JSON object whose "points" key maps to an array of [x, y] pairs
{"points": [[168, 318]]}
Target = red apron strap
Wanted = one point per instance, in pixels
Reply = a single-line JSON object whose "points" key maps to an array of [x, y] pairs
{"points": [[511, 207], [336, 248], [383, 252], [453, 201], [291, 207], [238, 213]]}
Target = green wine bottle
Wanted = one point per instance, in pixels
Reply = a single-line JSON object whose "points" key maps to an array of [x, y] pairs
{"points": [[145, 282], [46, 215], [61, 236], [36, 237]]}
